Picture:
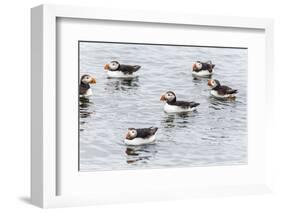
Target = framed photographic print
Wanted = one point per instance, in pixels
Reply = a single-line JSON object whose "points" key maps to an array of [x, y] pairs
{"points": [[130, 106]]}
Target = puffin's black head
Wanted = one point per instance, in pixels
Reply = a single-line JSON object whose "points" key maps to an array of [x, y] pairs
{"points": [[113, 65], [169, 96], [131, 134], [87, 79], [213, 83]]}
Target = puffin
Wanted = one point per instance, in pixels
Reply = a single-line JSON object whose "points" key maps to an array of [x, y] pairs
{"points": [[84, 86], [172, 105], [202, 69], [116, 70], [220, 91], [142, 136]]}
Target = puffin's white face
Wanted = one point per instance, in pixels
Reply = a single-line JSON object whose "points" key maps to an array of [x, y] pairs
{"points": [[212, 83], [113, 65], [198, 65], [87, 79], [131, 134], [168, 96]]}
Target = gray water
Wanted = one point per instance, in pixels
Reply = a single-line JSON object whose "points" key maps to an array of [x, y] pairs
{"points": [[214, 135]]}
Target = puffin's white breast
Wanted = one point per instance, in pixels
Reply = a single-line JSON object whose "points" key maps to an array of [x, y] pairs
{"points": [[119, 74], [216, 95], [173, 108], [140, 141], [88, 93], [203, 73]]}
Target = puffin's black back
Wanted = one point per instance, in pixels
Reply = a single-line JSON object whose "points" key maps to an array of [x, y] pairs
{"points": [[146, 132], [128, 68]]}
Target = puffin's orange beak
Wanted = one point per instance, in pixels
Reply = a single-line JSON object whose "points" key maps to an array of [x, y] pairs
{"points": [[106, 67], [93, 81], [127, 136], [193, 66], [209, 83], [162, 98]]}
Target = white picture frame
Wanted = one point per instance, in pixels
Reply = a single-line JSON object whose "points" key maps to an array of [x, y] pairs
{"points": [[45, 169]]}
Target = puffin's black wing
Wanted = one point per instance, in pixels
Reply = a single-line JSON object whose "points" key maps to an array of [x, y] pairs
{"points": [[146, 132], [208, 66], [129, 68], [186, 104], [226, 90]]}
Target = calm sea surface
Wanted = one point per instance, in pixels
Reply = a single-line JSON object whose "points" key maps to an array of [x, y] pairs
{"points": [[214, 135]]}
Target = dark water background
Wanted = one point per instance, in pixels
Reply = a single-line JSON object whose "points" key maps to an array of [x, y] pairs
{"points": [[214, 135]]}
